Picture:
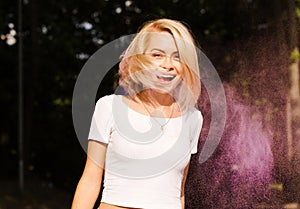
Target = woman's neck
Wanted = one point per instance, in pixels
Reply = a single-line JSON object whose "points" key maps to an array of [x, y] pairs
{"points": [[156, 98]]}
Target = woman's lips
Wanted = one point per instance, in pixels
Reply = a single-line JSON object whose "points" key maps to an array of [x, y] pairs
{"points": [[166, 78]]}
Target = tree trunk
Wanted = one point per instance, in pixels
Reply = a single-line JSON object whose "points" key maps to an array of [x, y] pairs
{"points": [[30, 81], [293, 105]]}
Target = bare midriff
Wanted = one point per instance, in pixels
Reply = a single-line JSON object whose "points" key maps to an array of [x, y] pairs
{"points": [[104, 205]]}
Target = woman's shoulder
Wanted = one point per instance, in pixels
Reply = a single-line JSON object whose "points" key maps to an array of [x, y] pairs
{"points": [[194, 110], [195, 113], [106, 101], [107, 98]]}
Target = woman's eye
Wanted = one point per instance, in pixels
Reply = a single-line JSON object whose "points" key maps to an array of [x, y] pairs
{"points": [[157, 55], [176, 57]]}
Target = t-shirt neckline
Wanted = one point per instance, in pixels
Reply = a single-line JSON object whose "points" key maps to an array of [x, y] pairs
{"points": [[122, 102]]}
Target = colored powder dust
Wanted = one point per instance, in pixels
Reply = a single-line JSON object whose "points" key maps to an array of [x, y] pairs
{"points": [[241, 170]]}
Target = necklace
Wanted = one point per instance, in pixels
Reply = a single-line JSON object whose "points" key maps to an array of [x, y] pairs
{"points": [[161, 125]]}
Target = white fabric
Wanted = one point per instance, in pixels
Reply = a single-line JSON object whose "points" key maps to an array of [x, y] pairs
{"points": [[144, 165]]}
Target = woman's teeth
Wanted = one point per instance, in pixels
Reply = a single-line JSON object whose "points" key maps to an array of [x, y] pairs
{"points": [[167, 77]]}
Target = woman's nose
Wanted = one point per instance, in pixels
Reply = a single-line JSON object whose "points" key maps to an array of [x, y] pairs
{"points": [[167, 63]]}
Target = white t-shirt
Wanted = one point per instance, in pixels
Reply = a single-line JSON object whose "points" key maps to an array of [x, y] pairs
{"points": [[144, 164]]}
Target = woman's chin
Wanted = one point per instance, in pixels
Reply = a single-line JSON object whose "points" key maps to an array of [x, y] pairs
{"points": [[166, 86], [165, 82]]}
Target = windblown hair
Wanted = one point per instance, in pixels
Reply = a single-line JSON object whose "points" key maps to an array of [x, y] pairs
{"points": [[137, 71]]}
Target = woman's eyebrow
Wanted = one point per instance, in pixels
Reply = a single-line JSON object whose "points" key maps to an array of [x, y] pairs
{"points": [[160, 50], [155, 49]]}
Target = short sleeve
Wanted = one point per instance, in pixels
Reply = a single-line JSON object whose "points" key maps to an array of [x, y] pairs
{"points": [[101, 124], [196, 126]]}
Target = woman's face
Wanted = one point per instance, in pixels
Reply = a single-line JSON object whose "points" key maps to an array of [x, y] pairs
{"points": [[164, 55]]}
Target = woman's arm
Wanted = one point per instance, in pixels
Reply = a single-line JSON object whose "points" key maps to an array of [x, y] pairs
{"points": [[88, 188], [183, 184]]}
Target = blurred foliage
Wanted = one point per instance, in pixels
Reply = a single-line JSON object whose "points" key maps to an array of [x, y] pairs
{"points": [[295, 55]]}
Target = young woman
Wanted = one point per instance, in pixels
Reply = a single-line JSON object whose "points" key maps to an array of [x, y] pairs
{"points": [[142, 141]]}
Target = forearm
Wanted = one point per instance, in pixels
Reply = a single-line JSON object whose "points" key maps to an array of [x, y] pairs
{"points": [[89, 185], [86, 194], [183, 185]]}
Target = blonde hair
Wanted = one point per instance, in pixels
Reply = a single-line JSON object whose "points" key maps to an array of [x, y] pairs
{"points": [[132, 69]]}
